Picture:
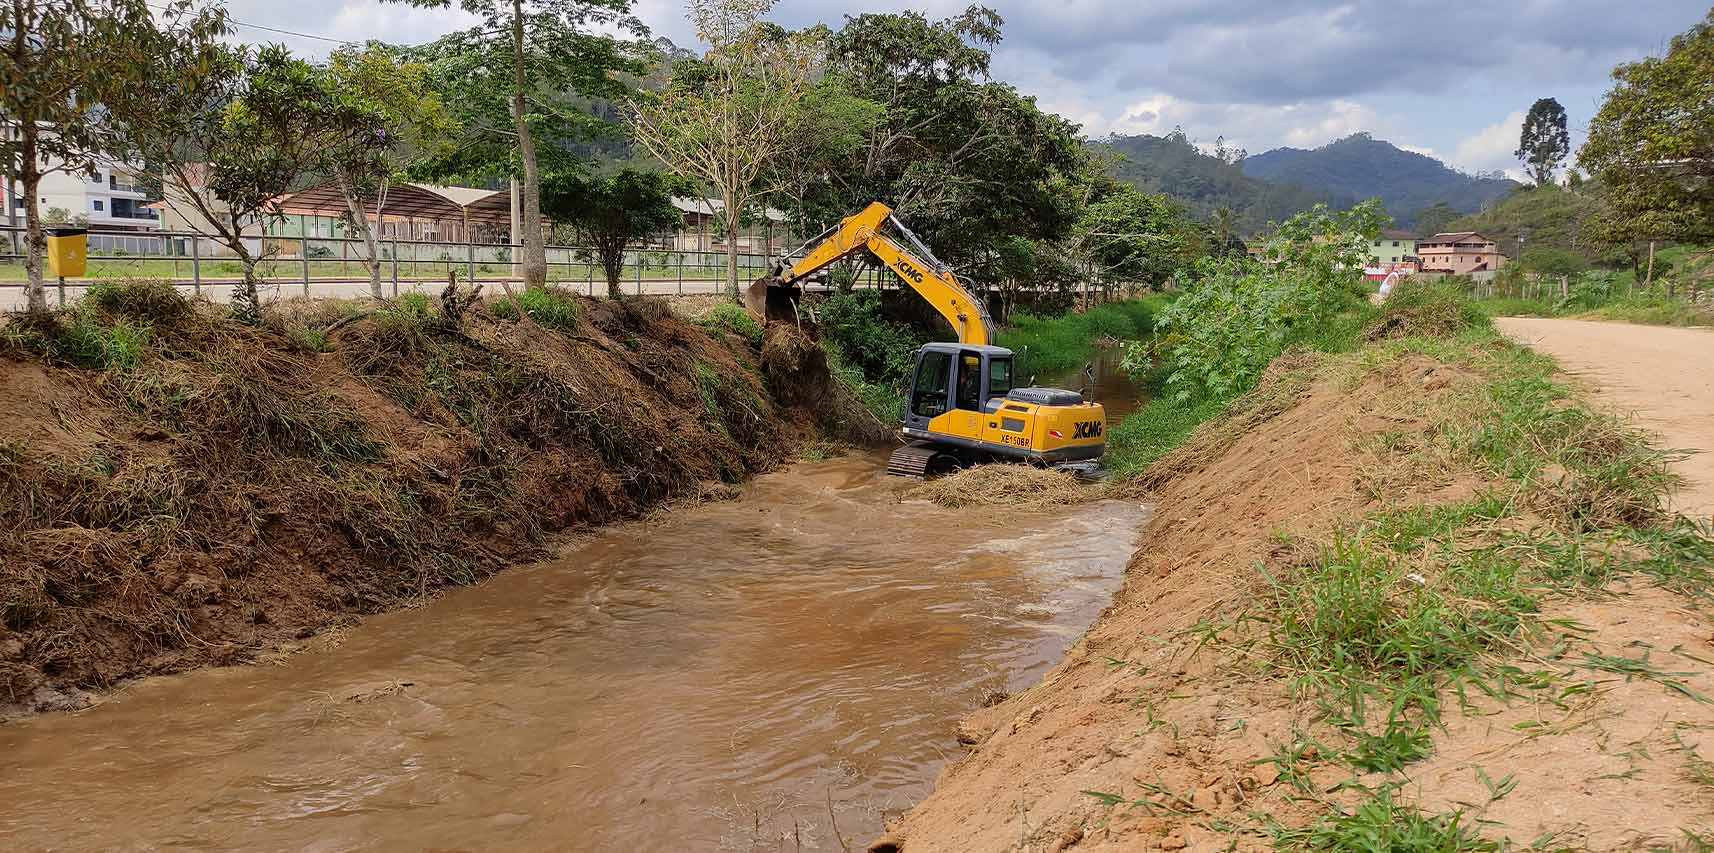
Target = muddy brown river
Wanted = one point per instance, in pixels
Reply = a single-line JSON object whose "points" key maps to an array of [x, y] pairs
{"points": [[737, 676]]}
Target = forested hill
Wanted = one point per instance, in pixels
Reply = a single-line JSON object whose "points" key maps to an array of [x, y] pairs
{"points": [[1204, 183], [1361, 166]]}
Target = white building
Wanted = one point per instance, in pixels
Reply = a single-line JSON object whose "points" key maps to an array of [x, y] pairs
{"points": [[111, 200]]}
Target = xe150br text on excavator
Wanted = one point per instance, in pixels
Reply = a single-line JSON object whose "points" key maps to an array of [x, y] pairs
{"points": [[962, 407]]}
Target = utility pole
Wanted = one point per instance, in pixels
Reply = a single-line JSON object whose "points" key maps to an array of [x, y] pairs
{"points": [[515, 243]]}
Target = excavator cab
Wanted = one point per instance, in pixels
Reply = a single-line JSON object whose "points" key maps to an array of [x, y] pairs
{"points": [[963, 408]]}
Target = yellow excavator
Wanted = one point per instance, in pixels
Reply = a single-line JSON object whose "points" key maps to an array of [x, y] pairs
{"points": [[962, 408]]}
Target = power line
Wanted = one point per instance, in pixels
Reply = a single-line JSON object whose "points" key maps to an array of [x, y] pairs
{"points": [[292, 33], [237, 22]]}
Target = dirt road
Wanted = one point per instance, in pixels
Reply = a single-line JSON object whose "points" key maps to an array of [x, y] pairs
{"points": [[1665, 376]]}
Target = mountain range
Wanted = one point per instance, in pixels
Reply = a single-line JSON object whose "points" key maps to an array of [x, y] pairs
{"points": [[1276, 184]]}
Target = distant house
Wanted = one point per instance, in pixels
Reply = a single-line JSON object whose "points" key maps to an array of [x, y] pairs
{"points": [[1460, 253], [702, 231], [1392, 247]]}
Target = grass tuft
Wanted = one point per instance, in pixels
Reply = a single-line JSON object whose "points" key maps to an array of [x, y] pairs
{"points": [[733, 319], [552, 308], [1381, 824]]}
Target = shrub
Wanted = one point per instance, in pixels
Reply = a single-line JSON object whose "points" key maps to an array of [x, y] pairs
{"points": [[145, 300], [1237, 315], [881, 349], [727, 317]]}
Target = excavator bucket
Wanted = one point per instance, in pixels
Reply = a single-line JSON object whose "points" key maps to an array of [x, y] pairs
{"points": [[768, 300]]}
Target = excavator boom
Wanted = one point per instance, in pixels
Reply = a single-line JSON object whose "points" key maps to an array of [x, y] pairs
{"points": [[919, 269]]}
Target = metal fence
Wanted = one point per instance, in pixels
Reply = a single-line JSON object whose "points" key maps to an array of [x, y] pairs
{"points": [[335, 265]]}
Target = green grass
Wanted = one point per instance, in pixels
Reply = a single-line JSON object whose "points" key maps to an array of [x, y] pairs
{"points": [[553, 308], [733, 319], [1384, 825], [884, 401], [1156, 429], [1049, 345]]}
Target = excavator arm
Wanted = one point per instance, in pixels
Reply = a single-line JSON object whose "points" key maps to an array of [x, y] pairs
{"points": [[919, 269]]}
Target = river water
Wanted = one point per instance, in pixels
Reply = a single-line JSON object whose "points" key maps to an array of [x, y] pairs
{"points": [[736, 676]]}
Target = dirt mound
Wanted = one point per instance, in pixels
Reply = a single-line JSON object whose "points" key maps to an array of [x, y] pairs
{"points": [[1008, 485], [1424, 309], [798, 374], [178, 489]]}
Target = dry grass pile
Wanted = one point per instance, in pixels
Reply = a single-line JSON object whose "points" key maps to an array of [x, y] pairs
{"points": [[178, 488], [1424, 309], [1006, 485]]}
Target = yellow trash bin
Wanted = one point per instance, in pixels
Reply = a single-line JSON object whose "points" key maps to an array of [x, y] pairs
{"points": [[68, 251]]}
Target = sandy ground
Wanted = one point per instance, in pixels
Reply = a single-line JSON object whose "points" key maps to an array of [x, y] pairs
{"points": [[1662, 375]]}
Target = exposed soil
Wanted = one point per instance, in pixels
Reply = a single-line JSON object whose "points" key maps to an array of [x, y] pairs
{"points": [[1156, 704], [236, 488], [1660, 374]]}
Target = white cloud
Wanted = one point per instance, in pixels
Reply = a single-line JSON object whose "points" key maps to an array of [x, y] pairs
{"points": [[1492, 147]]}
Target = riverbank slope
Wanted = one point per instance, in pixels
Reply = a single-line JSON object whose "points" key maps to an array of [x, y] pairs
{"points": [[178, 488], [1417, 596]]}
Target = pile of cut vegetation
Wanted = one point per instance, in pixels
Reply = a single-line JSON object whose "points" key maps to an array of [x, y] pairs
{"points": [[1007, 485], [178, 488]]}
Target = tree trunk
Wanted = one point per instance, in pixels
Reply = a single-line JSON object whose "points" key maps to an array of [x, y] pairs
{"points": [[731, 250], [535, 253], [613, 264], [360, 222], [245, 298], [35, 242]]}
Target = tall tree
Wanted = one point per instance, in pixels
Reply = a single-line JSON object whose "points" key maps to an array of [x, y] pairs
{"points": [[61, 59], [1544, 142], [1139, 238], [405, 122], [725, 120], [509, 77], [968, 162], [611, 213], [234, 131], [1651, 145]]}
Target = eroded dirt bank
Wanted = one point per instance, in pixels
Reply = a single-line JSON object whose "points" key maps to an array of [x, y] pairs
{"points": [[180, 489], [1200, 711]]}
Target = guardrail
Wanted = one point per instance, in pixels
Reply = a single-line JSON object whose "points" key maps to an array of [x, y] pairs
{"points": [[197, 261]]}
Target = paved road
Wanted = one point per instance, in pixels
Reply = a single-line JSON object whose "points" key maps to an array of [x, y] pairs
{"points": [[1663, 375]]}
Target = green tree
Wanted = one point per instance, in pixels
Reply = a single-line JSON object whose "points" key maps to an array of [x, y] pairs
{"points": [[727, 119], [1435, 219], [1650, 144], [508, 81], [60, 62], [1552, 262], [401, 120], [1138, 237], [1544, 142], [1223, 227], [610, 213], [971, 164], [234, 131]]}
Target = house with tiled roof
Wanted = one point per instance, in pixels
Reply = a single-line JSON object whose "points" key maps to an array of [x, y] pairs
{"points": [[1460, 253]]}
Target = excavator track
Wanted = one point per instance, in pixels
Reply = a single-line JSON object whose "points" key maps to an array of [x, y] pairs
{"points": [[913, 460]]}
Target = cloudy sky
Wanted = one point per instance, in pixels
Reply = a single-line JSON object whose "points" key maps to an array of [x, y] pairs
{"points": [[1452, 81]]}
